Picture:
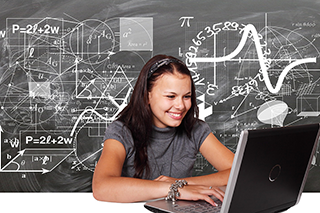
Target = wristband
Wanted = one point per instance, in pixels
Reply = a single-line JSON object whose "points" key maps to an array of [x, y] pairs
{"points": [[173, 190]]}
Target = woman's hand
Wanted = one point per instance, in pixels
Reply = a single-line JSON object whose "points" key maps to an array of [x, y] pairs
{"points": [[195, 192]]}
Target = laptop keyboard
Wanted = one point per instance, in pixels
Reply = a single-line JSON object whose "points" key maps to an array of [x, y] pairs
{"points": [[197, 207]]}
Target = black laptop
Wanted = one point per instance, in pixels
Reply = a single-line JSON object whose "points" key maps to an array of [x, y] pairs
{"points": [[268, 174]]}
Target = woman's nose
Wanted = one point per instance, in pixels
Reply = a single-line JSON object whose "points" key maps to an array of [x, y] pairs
{"points": [[179, 104]]}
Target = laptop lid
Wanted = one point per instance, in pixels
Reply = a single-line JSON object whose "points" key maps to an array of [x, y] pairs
{"points": [[270, 168]]}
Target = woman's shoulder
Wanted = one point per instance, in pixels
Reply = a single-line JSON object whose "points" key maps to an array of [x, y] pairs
{"points": [[201, 126], [117, 130], [200, 132], [116, 125]]}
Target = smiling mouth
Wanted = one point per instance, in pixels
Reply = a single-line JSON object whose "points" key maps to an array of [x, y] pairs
{"points": [[175, 115]]}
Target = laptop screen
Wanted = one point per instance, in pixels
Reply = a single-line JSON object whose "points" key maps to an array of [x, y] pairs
{"points": [[271, 170]]}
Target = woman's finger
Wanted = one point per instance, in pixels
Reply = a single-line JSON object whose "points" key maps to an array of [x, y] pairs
{"points": [[218, 193], [201, 193]]}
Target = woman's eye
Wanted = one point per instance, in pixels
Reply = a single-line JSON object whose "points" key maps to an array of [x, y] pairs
{"points": [[170, 96], [187, 96]]}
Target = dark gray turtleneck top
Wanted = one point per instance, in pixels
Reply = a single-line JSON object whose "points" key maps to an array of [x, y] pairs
{"points": [[169, 154]]}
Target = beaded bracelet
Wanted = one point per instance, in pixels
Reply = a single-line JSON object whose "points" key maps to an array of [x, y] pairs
{"points": [[174, 193]]}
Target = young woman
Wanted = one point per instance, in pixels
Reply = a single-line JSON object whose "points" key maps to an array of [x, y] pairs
{"points": [[154, 142]]}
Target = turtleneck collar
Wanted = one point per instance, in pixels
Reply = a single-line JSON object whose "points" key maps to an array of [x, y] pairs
{"points": [[163, 133]]}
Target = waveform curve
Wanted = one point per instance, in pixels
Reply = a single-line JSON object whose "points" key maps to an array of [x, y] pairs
{"points": [[264, 69]]}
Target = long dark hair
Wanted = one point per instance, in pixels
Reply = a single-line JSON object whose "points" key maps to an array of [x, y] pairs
{"points": [[137, 115]]}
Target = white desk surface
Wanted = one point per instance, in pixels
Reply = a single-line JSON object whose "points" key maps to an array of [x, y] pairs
{"points": [[84, 202]]}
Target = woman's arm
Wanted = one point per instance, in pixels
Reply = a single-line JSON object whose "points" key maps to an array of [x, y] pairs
{"points": [[108, 185], [220, 157]]}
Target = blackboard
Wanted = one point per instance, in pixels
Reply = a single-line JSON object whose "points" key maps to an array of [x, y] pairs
{"points": [[68, 67]]}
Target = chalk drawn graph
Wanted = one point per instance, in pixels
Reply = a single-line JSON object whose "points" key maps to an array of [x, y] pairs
{"points": [[250, 32]]}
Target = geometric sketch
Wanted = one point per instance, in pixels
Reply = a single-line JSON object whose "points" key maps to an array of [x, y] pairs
{"points": [[308, 105], [137, 34], [63, 86], [273, 112]]}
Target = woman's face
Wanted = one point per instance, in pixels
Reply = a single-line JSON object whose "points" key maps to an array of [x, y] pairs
{"points": [[170, 99]]}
